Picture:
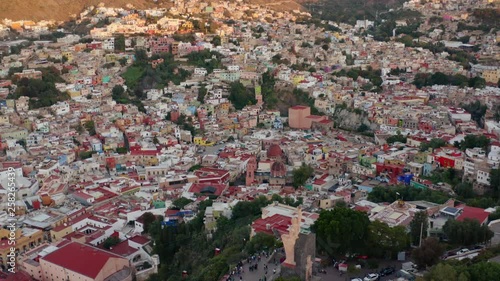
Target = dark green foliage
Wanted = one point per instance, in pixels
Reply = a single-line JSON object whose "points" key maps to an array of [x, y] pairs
{"points": [[464, 190], [471, 141], [287, 200], [439, 78], [464, 271], [90, 127], [110, 242], [85, 154], [495, 182], [202, 92], [466, 233], [121, 150], [207, 59], [181, 202], [433, 143], [241, 96], [370, 74], [341, 230], [120, 43], [385, 241], [194, 168], [302, 174], [351, 10], [260, 242], [418, 227], [389, 194], [398, 137], [187, 247], [304, 98], [42, 92], [429, 253]]}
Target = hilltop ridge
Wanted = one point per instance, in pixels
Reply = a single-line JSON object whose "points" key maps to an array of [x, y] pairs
{"points": [[61, 10]]}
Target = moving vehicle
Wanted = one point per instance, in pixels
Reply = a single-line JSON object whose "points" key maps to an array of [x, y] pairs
{"points": [[371, 277], [463, 251], [356, 279]]}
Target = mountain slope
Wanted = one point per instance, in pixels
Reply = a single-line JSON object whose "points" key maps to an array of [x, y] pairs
{"points": [[59, 9]]}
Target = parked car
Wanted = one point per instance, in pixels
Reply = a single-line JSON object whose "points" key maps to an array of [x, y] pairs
{"points": [[356, 279], [387, 271], [371, 277], [463, 251]]}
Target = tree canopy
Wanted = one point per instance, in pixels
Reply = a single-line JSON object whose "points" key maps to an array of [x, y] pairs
{"points": [[341, 230], [302, 174], [418, 227], [466, 233], [428, 253], [240, 96]]}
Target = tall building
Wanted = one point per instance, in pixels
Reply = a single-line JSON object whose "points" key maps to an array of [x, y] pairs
{"points": [[297, 117]]}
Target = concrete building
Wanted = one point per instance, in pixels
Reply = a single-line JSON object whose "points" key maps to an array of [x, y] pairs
{"points": [[297, 117]]}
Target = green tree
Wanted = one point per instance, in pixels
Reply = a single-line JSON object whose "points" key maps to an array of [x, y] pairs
{"points": [[147, 218], [495, 182], [240, 96], [120, 43], [396, 138], [259, 242], [442, 272], [385, 241], [341, 230], [476, 109], [90, 127], [418, 227], [428, 253], [472, 141], [202, 92], [123, 61], [110, 242], [301, 175], [433, 143], [181, 202], [216, 40], [467, 233]]}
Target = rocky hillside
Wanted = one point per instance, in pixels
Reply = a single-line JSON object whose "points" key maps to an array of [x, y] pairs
{"points": [[61, 10]]}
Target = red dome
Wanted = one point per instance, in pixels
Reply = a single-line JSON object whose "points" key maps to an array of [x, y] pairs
{"points": [[278, 169], [274, 151]]}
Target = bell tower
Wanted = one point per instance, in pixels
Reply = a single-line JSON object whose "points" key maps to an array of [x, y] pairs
{"points": [[251, 167]]}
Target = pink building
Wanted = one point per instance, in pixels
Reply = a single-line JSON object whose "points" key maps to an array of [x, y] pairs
{"points": [[297, 117], [75, 261]]}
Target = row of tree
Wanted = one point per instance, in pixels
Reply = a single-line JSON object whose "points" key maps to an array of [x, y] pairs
{"points": [[190, 247], [439, 78], [343, 230]]}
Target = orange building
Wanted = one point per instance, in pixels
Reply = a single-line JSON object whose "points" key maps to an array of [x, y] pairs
{"points": [[297, 117]]}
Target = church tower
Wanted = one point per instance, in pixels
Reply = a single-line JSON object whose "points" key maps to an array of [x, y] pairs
{"points": [[251, 168]]}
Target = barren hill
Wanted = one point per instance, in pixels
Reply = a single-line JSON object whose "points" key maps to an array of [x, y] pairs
{"points": [[61, 10]]}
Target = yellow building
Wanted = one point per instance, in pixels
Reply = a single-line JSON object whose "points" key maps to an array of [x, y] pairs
{"points": [[491, 76], [26, 239], [203, 141], [68, 56], [296, 79]]}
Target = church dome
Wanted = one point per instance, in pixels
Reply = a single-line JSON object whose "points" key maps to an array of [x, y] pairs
{"points": [[274, 151], [278, 169]]}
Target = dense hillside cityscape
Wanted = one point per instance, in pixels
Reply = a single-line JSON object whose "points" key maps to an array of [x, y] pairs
{"points": [[250, 140]]}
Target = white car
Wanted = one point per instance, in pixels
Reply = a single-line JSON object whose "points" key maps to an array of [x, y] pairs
{"points": [[356, 279], [463, 251], [371, 277]]}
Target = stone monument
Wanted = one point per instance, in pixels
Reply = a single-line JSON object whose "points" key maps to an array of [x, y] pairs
{"points": [[290, 239]]}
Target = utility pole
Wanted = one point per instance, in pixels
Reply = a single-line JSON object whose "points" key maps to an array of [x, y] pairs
{"points": [[421, 232]]}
